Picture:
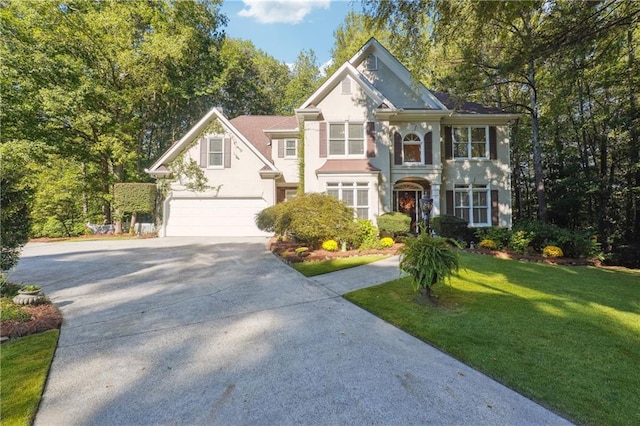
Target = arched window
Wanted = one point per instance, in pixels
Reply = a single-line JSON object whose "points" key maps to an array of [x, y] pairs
{"points": [[412, 149]]}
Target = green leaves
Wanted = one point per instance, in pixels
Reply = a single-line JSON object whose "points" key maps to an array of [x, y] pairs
{"points": [[428, 260]]}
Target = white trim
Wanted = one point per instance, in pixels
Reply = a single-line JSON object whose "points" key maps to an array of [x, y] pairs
{"points": [[469, 142], [469, 190]]}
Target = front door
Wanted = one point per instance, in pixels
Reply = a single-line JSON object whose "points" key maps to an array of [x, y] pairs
{"points": [[406, 199]]}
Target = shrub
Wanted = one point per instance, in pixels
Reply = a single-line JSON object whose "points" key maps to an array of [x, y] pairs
{"points": [[500, 236], [394, 223], [428, 260], [330, 245], [366, 237], [310, 219], [552, 251], [300, 251], [386, 242], [573, 243], [488, 244], [520, 241], [448, 226]]}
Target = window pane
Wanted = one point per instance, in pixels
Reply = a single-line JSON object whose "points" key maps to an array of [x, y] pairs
{"points": [[334, 193], [412, 138], [215, 159], [460, 150], [356, 146], [215, 145], [363, 197], [336, 131], [356, 131], [461, 199], [462, 213], [480, 215], [291, 148], [460, 134], [478, 149], [347, 197], [479, 199], [478, 134], [362, 212], [412, 153], [336, 147]]}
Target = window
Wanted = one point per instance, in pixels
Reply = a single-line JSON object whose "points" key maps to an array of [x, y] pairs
{"points": [[412, 149], [353, 194], [372, 63], [290, 194], [215, 152], [346, 139], [470, 142], [291, 148], [471, 203], [345, 86]]}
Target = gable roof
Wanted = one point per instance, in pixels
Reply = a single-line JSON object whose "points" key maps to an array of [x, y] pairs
{"points": [[159, 168], [465, 107], [373, 46], [253, 128], [346, 69]]}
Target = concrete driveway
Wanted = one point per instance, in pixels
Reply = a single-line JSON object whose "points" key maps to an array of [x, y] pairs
{"points": [[196, 331]]}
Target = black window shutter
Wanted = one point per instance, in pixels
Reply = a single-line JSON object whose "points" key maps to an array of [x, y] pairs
{"points": [[371, 139], [428, 148], [449, 202], [227, 152], [203, 152], [495, 211], [280, 148], [323, 140], [397, 149], [493, 143], [448, 143]]}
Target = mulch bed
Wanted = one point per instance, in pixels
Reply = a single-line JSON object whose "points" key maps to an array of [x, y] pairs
{"points": [[566, 261], [44, 317], [286, 250]]}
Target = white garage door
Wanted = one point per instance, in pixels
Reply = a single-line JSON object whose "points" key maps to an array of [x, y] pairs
{"points": [[213, 217]]}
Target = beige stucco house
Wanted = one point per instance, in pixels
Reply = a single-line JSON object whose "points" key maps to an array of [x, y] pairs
{"points": [[371, 135]]}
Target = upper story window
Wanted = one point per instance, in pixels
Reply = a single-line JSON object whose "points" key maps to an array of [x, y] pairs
{"points": [[412, 149], [291, 148], [471, 203], [346, 139], [372, 63], [471, 142], [215, 151]]}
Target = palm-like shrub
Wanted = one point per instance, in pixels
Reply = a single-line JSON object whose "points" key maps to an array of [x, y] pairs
{"points": [[429, 261]]}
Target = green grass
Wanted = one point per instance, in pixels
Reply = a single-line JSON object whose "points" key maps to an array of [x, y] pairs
{"points": [[11, 311], [567, 337], [310, 269], [25, 363]]}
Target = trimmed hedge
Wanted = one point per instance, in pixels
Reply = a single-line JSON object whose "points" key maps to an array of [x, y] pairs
{"points": [[394, 223]]}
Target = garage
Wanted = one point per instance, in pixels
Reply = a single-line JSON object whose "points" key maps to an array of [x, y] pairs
{"points": [[230, 217]]}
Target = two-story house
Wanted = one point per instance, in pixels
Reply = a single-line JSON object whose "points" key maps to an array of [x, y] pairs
{"points": [[371, 135]]}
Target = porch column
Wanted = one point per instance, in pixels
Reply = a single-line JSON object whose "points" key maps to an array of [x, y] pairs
{"points": [[435, 194]]}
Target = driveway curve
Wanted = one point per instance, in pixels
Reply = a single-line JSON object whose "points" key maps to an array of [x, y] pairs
{"points": [[196, 331]]}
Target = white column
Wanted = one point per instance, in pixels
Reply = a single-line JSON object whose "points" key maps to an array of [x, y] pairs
{"points": [[435, 194]]}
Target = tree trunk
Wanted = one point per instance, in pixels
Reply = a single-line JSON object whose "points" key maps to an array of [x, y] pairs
{"points": [[132, 226], [535, 141]]}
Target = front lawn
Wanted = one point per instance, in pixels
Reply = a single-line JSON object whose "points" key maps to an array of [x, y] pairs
{"points": [[567, 337], [310, 269], [25, 364]]}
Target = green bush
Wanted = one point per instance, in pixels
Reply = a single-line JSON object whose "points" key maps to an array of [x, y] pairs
{"points": [[386, 242], [500, 236], [573, 243], [366, 237], [330, 245], [428, 260], [448, 226], [310, 219], [394, 223], [520, 241]]}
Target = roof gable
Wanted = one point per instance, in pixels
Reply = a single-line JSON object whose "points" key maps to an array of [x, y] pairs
{"points": [[160, 166], [374, 47], [347, 69]]}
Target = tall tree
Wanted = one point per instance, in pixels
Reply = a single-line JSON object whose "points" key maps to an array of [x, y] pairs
{"points": [[305, 79]]}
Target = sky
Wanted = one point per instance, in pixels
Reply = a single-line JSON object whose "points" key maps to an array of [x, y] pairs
{"points": [[282, 28]]}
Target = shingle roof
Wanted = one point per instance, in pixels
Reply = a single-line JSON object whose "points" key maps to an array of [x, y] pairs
{"points": [[253, 127], [464, 107], [347, 166]]}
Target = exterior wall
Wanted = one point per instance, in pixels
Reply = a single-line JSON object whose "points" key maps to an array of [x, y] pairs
{"points": [[495, 173], [241, 180], [288, 166], [398, 91]]}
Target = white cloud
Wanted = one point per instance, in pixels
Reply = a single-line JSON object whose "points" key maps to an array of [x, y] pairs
{"points": [[281, 11]]}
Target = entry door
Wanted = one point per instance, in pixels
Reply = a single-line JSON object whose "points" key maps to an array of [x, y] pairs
{"points": [[407, 201]]}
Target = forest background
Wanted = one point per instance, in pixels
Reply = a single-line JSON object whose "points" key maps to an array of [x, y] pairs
{"points": [[94, 92]]}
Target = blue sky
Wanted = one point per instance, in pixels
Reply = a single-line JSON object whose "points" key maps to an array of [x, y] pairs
{"points": [[282, 28]]}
